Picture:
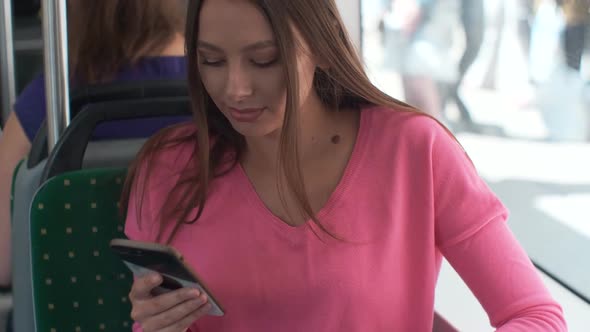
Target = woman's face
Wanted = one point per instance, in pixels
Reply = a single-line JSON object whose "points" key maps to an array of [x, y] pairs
{"points": [[241, 69]]}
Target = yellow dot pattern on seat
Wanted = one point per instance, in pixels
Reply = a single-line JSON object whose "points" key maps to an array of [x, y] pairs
{"points": [[79, 284]]}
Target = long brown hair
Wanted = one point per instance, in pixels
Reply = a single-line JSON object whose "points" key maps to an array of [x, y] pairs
{"points": [[106, 35], [343, 85]]}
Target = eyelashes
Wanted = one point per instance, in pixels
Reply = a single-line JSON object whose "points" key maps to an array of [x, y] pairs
{"points": [[220, 63]]}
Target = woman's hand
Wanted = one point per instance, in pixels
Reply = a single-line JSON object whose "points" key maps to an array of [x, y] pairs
{"points": [[173, 311]]}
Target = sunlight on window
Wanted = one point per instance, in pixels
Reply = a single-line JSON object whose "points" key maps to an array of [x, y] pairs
{"points": [[567, 208], [511, 79]]}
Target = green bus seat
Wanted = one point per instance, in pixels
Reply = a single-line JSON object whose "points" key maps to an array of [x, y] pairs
{"points": [[79, 284]]}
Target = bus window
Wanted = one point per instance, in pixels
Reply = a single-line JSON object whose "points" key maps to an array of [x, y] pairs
{"points": [[510, 79]]}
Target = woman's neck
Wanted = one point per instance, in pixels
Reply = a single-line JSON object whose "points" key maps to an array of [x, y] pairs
{"points": [[321, 132]]}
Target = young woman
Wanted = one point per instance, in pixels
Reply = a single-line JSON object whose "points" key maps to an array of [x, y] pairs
{"points": [[307, 199], [110, 40]]}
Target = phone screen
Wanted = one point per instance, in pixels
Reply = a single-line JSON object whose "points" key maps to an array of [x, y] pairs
{"points": [[174, 274], [156, 261]]}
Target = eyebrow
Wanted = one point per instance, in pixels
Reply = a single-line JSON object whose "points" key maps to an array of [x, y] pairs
{"points": [[251, 47]]}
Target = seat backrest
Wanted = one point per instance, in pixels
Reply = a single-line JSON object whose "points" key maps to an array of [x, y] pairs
{"points": [[111, 153], [97, 154], [78, 282], [135, 90], [68, 154], [25, 183], [12, 187], [112, 92]]}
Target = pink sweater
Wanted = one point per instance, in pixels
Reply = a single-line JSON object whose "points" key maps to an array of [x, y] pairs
{"points": [[409, 195]]}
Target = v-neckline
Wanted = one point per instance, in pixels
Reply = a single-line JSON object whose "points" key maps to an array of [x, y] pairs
{"points": [[341, 188]]}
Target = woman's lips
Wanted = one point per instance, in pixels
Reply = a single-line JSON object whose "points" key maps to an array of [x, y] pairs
{"points": [[245, 114]]}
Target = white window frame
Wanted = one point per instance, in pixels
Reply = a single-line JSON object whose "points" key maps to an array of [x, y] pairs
{"points": [[351, 14]]}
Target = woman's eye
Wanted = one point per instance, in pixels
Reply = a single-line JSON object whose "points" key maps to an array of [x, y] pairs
{"points": [[212, 63], [264, 64]]}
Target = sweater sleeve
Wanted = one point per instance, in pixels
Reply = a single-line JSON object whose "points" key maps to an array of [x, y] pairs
{"points": [[499, 273], [472, 234]]}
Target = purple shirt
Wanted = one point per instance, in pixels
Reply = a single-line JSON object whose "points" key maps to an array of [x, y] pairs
{"points": [[30, 106]]}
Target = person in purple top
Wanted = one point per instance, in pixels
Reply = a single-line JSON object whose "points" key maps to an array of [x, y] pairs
{"points": [[109, 41], [30, 111]]}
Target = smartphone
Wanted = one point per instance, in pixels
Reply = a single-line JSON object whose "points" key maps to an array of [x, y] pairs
{"points": [[143, 258]]}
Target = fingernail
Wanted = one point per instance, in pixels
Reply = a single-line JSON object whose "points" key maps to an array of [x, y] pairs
{"points": [[195, 292], [155, 278]]}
